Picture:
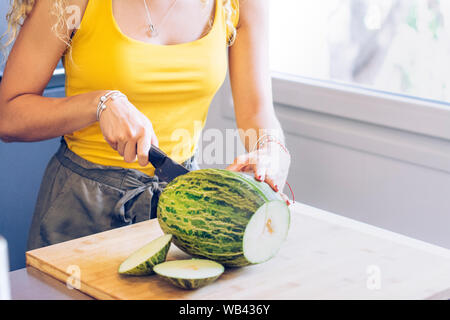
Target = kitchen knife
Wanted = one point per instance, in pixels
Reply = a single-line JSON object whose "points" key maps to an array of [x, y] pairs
{"points": [[165, 168]]}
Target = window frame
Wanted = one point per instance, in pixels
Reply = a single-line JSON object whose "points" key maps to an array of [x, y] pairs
{"points": [[389, 109], [358, 119]]}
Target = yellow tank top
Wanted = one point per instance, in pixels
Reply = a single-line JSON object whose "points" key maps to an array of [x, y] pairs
{"points": [[173, 85]]}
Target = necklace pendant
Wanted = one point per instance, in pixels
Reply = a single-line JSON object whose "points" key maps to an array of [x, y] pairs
{"points": [[152, 31]]}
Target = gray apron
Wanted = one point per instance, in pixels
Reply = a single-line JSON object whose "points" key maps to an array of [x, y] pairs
{"points": [[78, 198]]}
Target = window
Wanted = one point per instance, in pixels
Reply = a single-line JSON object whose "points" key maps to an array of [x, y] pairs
{"points": [[400, 46]]}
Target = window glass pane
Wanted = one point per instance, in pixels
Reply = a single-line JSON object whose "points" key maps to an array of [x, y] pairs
{"points": [[392, 45]]}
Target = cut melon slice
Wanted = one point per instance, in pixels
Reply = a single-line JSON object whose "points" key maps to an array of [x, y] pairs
{"points": [[189, 274], [266, 231], [142, 261]]}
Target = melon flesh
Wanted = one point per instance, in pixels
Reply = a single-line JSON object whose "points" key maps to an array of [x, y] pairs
{"points": [[189, 274], [142, 261], [266, 231]]}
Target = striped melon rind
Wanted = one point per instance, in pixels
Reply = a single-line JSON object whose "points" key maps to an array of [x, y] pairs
{"points": [[207, 212], [190, 284]]}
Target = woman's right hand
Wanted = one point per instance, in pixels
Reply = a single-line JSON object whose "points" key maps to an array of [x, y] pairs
{"points": [[127, 130]]}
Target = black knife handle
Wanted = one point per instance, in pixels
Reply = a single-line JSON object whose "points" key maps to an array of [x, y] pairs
{"points": [[156, 156]]}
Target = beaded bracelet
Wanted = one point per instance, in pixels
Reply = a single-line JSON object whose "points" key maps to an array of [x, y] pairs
{"points": [[267, 138], [111, 95]]}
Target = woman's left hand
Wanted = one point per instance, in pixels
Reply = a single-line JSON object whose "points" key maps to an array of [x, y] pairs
{"points": [[269, 164]]}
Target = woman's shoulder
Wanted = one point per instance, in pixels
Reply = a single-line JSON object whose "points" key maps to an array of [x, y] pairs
{"points": [[246, 10]]}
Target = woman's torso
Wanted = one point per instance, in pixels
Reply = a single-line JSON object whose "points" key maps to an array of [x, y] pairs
{"points": [[173, 85]]}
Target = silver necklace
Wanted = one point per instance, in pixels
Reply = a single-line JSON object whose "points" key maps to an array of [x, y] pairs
{"points": [[152, 31]]}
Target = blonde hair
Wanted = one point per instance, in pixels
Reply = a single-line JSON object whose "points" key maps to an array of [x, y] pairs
{"points": [[20, 9]]}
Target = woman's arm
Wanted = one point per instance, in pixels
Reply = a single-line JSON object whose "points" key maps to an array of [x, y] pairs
{"points": [[249, 70], [27, 116], [252, 95], [24, 114]]}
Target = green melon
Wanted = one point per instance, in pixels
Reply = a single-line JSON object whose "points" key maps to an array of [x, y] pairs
{"points": [[142, 261], [224, 216], [189, 274]]}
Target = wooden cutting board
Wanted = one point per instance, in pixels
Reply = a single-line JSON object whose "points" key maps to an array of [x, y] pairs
{"points": [[325, 257]]}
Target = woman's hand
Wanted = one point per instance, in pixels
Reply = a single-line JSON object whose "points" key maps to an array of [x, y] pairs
{"points": [[127, 130], [269, 164]]}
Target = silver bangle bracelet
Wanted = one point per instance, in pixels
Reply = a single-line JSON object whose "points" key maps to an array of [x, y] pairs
{"points": [[111, 95]]}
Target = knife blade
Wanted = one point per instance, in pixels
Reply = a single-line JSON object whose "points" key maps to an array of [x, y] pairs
{"points": [[165, 168]]}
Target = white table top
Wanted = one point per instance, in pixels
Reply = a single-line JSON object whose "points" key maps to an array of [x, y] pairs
{"points": [[336, 257]]}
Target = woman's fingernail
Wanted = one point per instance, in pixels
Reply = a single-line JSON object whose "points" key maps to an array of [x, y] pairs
{"points": [[276, 188]]}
